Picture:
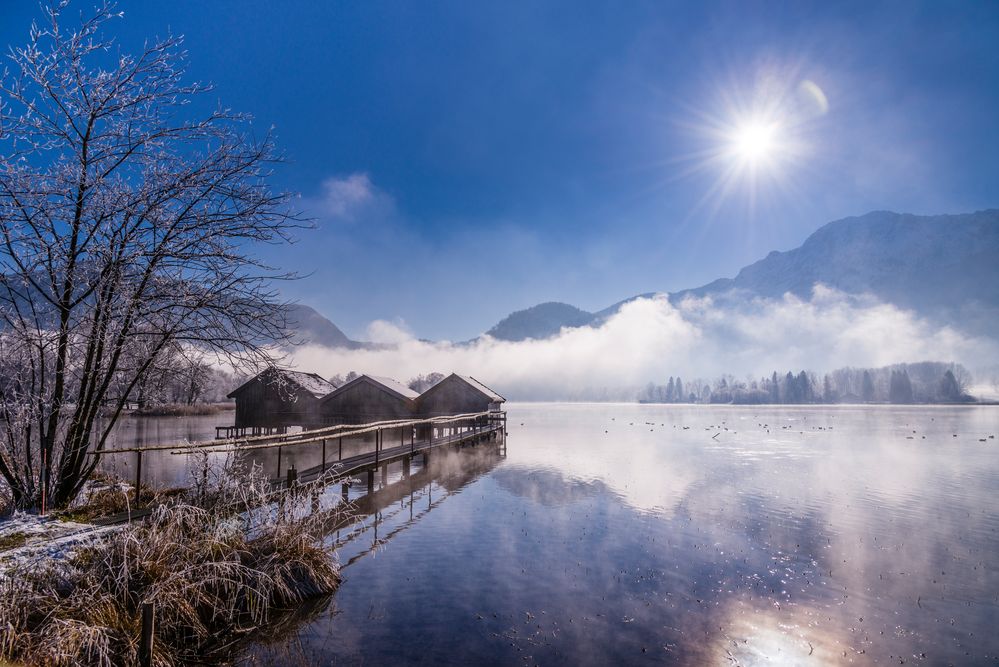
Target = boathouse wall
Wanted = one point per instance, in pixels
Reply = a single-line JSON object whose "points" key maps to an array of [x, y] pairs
{"points": [[455, 395], [267, 405], [362, 402], [277, 398]]}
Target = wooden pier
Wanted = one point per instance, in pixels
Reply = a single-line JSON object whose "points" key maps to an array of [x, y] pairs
{"points": [[410, 438], [382, 456]]}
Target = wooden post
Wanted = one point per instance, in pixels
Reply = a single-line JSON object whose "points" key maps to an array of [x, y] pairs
{"points": [[323, 469], [292, 479], [279, 463], [405, 467], [385, 475], [138, 474], [146, 636], [344, 488], [412, 438], [371, 480], [340, 455], [44, 478], [378, 437]]}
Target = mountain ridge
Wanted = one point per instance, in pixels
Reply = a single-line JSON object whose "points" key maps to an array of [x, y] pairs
{"points": [[942, 267]]}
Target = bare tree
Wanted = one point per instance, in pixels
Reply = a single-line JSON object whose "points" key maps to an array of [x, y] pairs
{"points": [[126, 227], [421, 382]]}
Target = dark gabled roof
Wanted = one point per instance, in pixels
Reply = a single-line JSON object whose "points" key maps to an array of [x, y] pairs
{"points": [[389, 385], [310, 382], [473, 383]]}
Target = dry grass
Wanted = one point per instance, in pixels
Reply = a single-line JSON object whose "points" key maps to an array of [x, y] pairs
{"points": [[217, 565], [12, 540], [102, 503]]}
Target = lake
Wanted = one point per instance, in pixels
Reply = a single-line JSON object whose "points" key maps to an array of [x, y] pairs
{"points": [[632, 534]]}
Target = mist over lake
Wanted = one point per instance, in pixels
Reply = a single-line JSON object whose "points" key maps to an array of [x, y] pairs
{"points": [[631, 534]]}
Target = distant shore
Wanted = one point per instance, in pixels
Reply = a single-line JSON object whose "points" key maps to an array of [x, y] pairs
{"points": [[182, 410], [829, 405]]}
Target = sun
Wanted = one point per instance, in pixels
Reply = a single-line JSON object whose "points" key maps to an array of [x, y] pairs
{"points": [[754, 142]]}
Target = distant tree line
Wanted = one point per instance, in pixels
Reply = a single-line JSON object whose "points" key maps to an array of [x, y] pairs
{"points": [[181, 377], [923, 382]]}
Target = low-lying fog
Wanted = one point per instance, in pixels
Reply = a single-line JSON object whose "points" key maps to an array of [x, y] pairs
{"points": [[649, 339]]}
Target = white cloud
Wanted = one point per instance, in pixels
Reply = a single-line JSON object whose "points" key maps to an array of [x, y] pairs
{"points": [[345, 198], [650, 339], [389, 333]]}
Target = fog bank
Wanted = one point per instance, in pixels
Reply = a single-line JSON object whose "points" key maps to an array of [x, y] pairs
{"points": [[650, 339]]}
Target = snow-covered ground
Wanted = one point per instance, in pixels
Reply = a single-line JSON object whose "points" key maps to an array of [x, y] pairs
{"points": [[46, 537]]}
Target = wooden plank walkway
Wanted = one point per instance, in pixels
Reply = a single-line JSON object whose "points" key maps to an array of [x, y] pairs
{"points": [[371, 460]]}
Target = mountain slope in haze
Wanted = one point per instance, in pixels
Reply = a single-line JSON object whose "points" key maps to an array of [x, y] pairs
{"points": [[943, 267], [541, 321], [309, 327]]}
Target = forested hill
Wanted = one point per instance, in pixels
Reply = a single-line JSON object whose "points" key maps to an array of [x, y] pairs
{"points": [[541, 321]]}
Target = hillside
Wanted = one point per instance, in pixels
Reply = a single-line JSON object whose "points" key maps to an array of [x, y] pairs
{"points": [[541, 321], [310, 327], [943, 267]]}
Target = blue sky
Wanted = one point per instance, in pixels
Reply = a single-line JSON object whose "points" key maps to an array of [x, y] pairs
{"points": [[463, 160]]}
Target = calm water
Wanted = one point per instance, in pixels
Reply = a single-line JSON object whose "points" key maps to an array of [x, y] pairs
{"points": [[632, 534], [160, 469]]}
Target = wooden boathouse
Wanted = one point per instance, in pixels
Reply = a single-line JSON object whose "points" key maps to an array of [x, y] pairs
{"points": [[457, 394], [366, 399], [363, 426], [274, 400]]}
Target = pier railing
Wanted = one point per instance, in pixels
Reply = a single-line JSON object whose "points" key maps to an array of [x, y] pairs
{"points": [[489, 421]]}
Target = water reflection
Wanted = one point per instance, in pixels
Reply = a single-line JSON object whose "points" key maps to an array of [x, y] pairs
{"points": [[625, 533], [160, 469]]}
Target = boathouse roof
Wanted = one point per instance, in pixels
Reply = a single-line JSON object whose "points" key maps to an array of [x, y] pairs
{"points": [[310, 382], [474, 384], [387, 384]]}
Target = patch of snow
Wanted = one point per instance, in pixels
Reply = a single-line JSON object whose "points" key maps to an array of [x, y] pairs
{"points": [[48, 539]]}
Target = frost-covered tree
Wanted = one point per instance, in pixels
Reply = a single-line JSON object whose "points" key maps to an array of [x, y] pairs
{"points": [[126, 223], [421, 382], [900, 387], [867, 387], [828, 391]]}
